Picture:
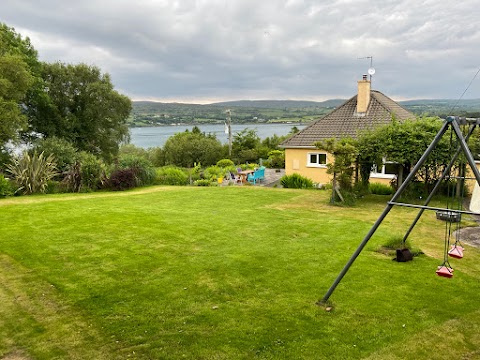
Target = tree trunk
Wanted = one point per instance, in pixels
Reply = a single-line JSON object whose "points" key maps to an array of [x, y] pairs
{"points": [[400, 176]]}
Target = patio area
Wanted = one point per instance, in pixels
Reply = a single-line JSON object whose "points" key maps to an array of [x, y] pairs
{"points": [[272, 178]]}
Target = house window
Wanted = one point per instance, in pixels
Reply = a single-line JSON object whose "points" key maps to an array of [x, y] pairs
{"points": [[317, 160], [388, 170]]}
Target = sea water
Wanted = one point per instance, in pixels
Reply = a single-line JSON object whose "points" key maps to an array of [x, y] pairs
{"points": [[146, 137]]}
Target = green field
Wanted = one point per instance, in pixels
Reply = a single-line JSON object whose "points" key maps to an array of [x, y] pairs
{"points": [[146, 113], [225, 273]]}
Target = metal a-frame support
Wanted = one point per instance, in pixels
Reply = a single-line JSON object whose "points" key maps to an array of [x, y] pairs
{"points": [[452, 122]]}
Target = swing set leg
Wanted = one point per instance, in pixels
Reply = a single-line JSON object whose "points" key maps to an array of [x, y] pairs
{"points": [[385, 212]]}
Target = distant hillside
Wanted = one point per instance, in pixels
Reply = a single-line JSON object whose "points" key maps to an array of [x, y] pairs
{"points": [[443, 107], [149, 113], [280, 104], [442, 102]]}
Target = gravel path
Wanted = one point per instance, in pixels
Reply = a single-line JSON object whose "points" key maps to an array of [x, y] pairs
{"points": [[470, 235], [272, 177]]}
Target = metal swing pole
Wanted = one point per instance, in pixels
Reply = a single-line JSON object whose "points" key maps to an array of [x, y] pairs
{"points": [[466, 151], [437, 185], [387, 210]]}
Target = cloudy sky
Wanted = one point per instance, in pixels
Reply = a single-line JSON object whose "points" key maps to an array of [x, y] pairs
{"points": [[209, 50]]}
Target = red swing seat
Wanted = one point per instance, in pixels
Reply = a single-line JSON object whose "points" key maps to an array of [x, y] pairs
{"points": [[444, 271], [456, 252]]}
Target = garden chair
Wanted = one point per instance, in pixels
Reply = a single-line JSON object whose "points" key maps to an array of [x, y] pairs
{"points": [[236, 179], [253, 178]]}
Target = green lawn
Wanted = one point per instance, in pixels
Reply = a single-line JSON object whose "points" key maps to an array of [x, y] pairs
{"points": [[225, 273]]}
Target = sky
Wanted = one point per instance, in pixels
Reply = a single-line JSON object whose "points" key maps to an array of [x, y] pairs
{"points": [[202, 51]]}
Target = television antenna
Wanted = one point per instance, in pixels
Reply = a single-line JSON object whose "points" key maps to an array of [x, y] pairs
{"points": [[371, 69]]}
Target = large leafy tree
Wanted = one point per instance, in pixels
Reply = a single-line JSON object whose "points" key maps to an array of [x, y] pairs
{"points": [[80, 105], [245, 145], [18, 67], [190, 147]]}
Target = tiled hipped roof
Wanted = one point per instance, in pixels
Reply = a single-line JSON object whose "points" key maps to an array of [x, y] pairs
{"points": [[345, 122]]}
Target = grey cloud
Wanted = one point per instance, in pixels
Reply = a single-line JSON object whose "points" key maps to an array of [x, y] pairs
{"points": [[263, 49]]}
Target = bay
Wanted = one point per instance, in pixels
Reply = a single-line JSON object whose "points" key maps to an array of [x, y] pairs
{"points": [[146, 137]]}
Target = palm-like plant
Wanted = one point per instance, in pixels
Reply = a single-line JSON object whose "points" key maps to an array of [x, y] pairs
{"points": [[32, 172]]}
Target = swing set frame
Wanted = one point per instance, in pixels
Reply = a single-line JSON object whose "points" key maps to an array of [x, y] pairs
{"points": [[452, 122]]}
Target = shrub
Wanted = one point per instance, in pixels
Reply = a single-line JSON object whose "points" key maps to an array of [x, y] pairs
{"points": [[172, 175], [72, 181], [262, 152], [225, 163], [251, 166], [130, 149], [142, 168], [122, 179], [214, 172], [276, 159], [380, 189], [202, 182], [247, 155], [5, 158], [32, 172], [64, 152], [54, 187], [296, 181], [414, 190], [187, 148], [194, 173], [92, 171], [156, 156], [5, 187]]}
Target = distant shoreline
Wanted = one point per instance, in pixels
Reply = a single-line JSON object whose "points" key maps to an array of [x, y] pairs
{"points": [[156, 136], [293, 123]]}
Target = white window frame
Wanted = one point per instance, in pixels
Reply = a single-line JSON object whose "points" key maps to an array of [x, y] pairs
{"points": [[381, 175], [317, 164]]}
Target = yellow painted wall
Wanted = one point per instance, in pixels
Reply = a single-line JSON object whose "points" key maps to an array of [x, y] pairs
{"points": [[296, 162]]}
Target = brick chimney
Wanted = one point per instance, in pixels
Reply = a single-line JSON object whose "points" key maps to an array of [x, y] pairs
{"points": [[363, 97]]}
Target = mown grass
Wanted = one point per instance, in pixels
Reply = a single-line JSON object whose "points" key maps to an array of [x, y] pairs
{"points": [[225, 273]]}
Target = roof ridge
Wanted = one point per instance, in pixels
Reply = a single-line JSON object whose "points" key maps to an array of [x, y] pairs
{"points": [[386, 101], [322, 118], [344, 121]]}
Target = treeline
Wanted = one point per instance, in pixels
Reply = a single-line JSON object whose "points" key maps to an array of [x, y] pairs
{"points": [[40, 100], [193, 147], [71, 123], [444, 108], [154, 113], [68, 117], [148, 113]]}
